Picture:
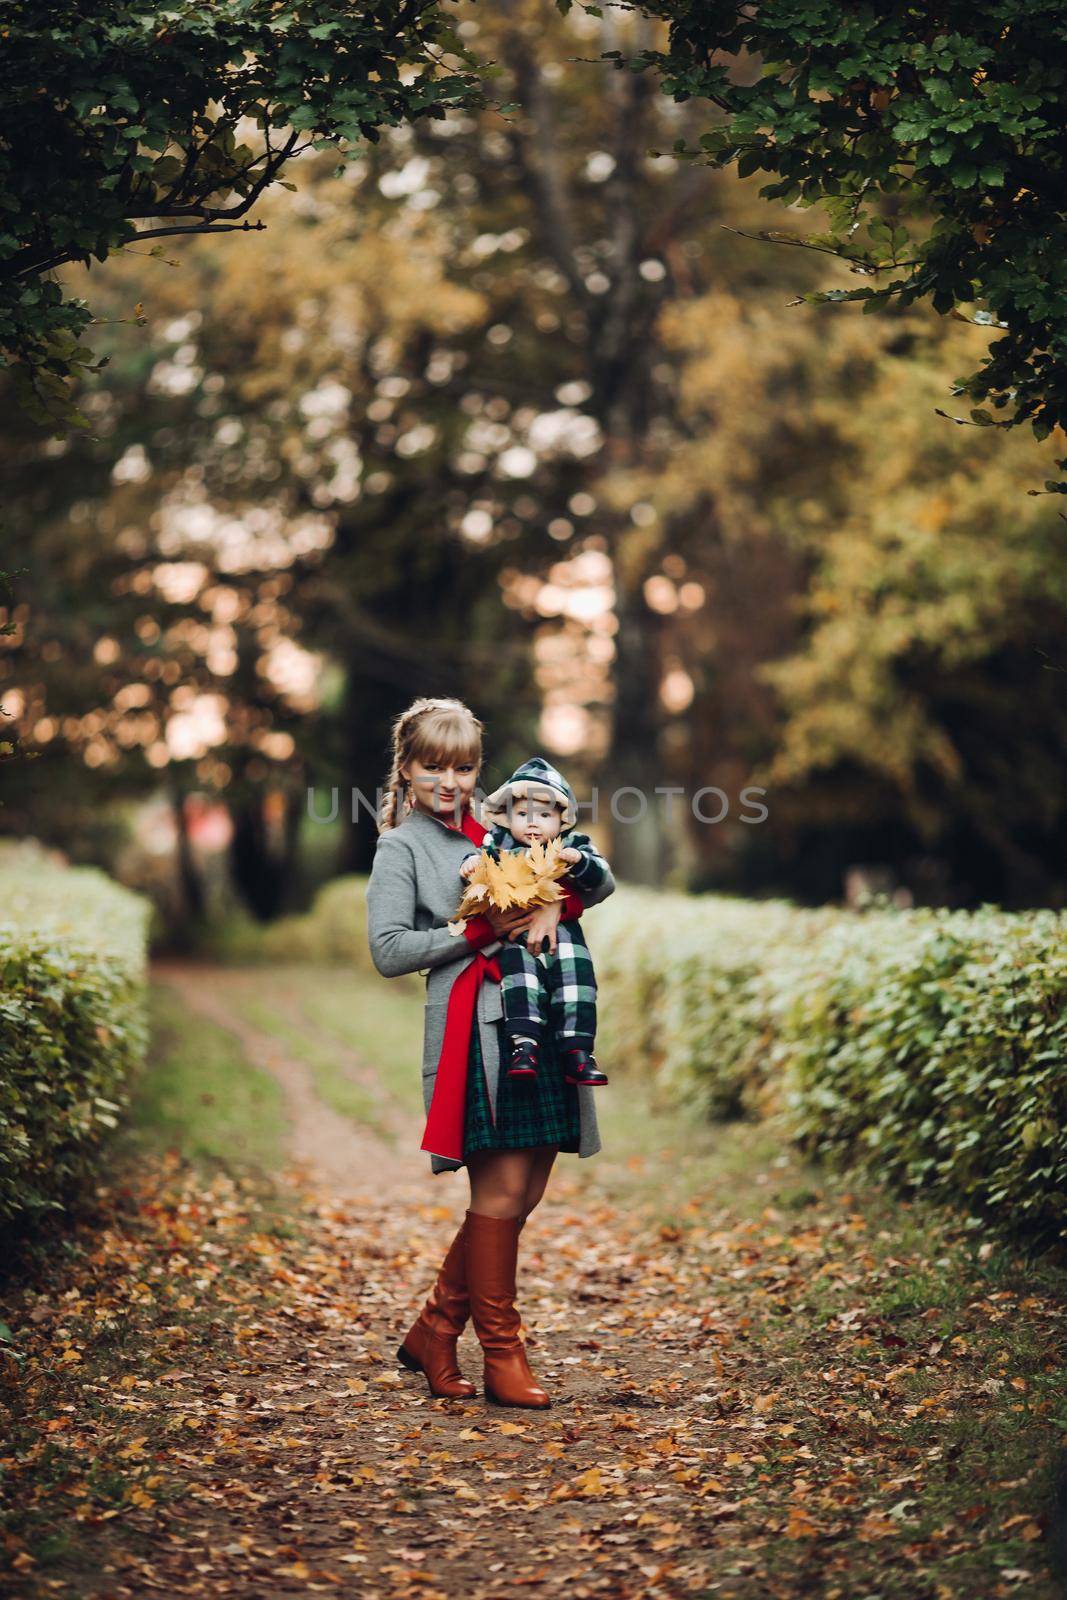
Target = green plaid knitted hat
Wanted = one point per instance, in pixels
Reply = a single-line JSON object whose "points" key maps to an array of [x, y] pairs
{"points": [[537, 778]]}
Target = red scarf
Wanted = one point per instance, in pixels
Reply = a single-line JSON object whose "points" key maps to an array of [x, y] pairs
{"points": [[443, 1135]]}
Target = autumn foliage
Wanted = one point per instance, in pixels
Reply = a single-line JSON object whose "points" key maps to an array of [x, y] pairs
{"points": [[509, 880]]}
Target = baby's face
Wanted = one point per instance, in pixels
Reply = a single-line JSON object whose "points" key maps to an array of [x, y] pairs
{"points": [[534, 820]]}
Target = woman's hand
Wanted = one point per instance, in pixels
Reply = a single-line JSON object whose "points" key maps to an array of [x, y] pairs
{"points": [[506, 924], [543, 924], [538, 924]]}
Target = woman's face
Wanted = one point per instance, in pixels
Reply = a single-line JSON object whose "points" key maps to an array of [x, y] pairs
{"points": [[442, 788]]}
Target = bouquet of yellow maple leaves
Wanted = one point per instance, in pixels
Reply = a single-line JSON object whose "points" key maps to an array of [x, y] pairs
{"points": [[524, 879]]}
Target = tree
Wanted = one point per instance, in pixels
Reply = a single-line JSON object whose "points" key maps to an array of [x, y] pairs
{"points": [[608, 235], [440, 352], [934, 138], [356, 433], [917, 715], [126, 121], [237, 525]]}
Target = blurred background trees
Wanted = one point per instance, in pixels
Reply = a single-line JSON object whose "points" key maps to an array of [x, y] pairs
{"points": [[509, 407]]}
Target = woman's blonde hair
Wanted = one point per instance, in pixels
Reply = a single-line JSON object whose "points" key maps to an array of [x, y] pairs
{"points": [[428, 730]]}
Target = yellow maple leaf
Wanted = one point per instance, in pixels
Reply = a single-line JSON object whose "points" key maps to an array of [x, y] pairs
{"points": [[514, 881], [509, 878]]}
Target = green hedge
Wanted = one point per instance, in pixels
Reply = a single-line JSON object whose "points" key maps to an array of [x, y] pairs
{"points": [[335, 929], [72, 1020], [928, 1046]]}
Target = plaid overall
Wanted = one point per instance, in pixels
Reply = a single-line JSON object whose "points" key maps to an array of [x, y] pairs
{"points": [[546, 993], [547, 996]]}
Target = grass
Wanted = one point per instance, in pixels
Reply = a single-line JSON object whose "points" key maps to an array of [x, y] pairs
{"points": [[663, 1158], [380, 1020], [324, 1018], [359, 1036], [198, 1093]]}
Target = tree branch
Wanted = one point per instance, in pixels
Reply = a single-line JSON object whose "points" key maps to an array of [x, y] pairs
{"points": [[214, 219], [201, 227]]}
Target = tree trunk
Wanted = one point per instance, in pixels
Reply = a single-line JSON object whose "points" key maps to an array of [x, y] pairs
{"points": [[262, 868], [189, 880], [636, 821]]}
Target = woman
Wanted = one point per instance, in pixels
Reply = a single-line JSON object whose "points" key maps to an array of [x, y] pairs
{"points": [[506, 1131]]}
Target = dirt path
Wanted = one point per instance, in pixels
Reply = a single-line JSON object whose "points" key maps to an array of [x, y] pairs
{"points": [[329, 1152], [745, 1405]]}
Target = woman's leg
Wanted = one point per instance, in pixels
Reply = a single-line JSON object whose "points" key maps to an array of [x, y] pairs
{"points": [[499, 1180], [509, 1183], [540, 1167]]}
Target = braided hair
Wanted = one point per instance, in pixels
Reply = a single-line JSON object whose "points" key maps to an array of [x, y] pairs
{"points": [[430, 729]]}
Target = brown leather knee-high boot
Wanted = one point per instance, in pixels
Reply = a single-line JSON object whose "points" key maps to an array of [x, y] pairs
{"points": [[429, 1346], [492, 1246]]}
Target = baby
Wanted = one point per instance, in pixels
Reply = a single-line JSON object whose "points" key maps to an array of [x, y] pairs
{"points": [[535, 805]]}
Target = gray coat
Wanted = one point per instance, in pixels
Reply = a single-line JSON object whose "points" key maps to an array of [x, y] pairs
{"points": [[413, 892]]}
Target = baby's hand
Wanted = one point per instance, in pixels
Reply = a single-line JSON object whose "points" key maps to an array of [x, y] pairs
{"points": [[467, 867], [569, 853]]}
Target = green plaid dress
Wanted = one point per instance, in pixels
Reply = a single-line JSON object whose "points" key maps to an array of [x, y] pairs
{"points": [[528, 1111]]}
